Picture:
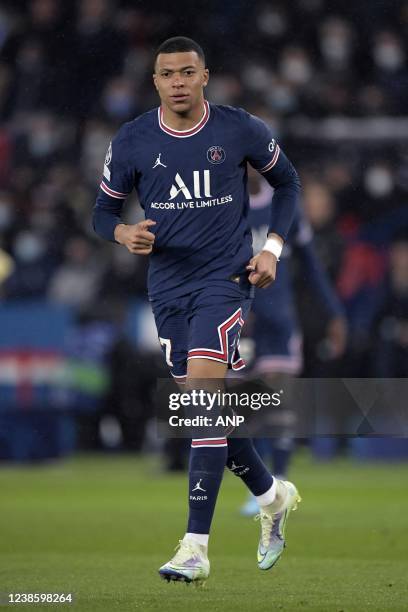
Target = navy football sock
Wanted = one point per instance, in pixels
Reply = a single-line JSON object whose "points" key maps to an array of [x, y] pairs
{"points": [[244, 461], [206, 469]]}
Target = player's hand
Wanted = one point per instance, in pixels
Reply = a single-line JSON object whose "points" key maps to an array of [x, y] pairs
{"points": [[337, 336], [136, 238], [262, 269]]}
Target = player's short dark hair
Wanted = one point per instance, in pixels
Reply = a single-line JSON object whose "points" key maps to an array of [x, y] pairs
{"points": [[179, 44]]}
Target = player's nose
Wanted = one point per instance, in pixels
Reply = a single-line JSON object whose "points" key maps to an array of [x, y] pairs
{"points": [[178, 81]]}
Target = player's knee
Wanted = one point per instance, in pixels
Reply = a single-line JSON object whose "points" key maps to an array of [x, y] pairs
{"points": [[205, 369]]}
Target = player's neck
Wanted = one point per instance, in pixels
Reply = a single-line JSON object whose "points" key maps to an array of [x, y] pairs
{"points": [[183, 121]]}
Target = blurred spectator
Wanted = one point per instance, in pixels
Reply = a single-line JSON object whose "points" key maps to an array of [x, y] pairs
{"points": [[76, 282], [125, 277], [336, 41], [391, 324], [39, 49], [321, 211], [6, 267], [98, 50], [33, 267], [119, 99], [381, 193], [391, 69]]}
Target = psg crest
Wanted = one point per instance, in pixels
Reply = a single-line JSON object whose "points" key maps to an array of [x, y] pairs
{"points": [[216, 155]]}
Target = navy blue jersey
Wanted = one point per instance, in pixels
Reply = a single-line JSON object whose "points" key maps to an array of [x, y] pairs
{"points": [[194, 185], [278, 298]]}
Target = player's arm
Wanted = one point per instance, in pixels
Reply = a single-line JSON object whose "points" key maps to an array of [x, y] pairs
{"points": [[266, 156], [317, 277], [117, 183]]}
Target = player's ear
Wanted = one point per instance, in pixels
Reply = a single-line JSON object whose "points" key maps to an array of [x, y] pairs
{"points": [[206, 76], [154, 81]]}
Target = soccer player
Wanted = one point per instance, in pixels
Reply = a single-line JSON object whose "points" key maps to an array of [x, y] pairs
{"points": [[276, 330], [187, 160]]}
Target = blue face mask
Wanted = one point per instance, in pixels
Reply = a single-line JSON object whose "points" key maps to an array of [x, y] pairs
{"points": [[119, 105], [28, 247], [42, 143]]}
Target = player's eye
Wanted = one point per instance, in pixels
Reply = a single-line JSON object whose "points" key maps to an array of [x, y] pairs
{"points": [[189, 72], [165, 74]]}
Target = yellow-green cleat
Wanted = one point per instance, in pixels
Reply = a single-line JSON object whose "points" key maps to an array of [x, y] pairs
{"points": [[189, 564], [273, 520]]}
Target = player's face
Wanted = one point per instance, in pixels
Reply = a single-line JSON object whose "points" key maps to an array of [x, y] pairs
{"points": [[180, 79]]}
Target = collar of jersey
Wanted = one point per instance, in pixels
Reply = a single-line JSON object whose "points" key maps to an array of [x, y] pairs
{"points": [[185, 133]]}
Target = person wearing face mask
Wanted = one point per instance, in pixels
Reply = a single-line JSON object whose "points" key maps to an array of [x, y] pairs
{"points": [[33, 267], [118, 100], [388, 53], [336, 43], [390, 69], [380, 192]]}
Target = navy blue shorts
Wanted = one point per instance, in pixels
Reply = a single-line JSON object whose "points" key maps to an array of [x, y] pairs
{"points": [[205, 324]]}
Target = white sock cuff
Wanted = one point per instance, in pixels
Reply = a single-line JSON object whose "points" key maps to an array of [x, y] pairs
{"points": [[200, 538], [269, 496]]}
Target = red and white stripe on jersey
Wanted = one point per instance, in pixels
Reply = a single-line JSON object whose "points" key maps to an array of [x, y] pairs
{"points": [[273, 161], [206, 442], [185, 133], [238, 365], [223, 330], [112, 192]]}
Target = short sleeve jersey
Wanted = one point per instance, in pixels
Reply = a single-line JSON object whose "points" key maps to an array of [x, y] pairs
{"points": [[193, 184]]}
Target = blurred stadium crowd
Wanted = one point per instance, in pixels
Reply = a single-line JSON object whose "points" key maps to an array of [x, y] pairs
{"points": [[72, 72]]}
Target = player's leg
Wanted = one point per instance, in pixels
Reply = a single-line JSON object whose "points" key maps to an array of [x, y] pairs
{"points": [[263, 447], [277, 356], [208, 452], [190, 562], [275, 506], [276, 498], [206, 467], [215, 324]]}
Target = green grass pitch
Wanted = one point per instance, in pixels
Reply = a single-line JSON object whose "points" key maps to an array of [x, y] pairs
{"points": [[101, 526]]}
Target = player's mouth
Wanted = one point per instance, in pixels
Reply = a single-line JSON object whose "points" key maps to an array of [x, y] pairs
{"points": [[179, 98]]}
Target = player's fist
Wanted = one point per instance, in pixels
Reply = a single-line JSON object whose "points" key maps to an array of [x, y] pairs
{"points": [[136, 238], [262, 269]]}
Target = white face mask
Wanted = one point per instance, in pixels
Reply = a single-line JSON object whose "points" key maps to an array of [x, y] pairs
{"points": [[296, 70], [388, 55], [42, 143], [335, 49], [257, 78], [28, 247], [378, 182], [282, 98], [272, 22]]}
